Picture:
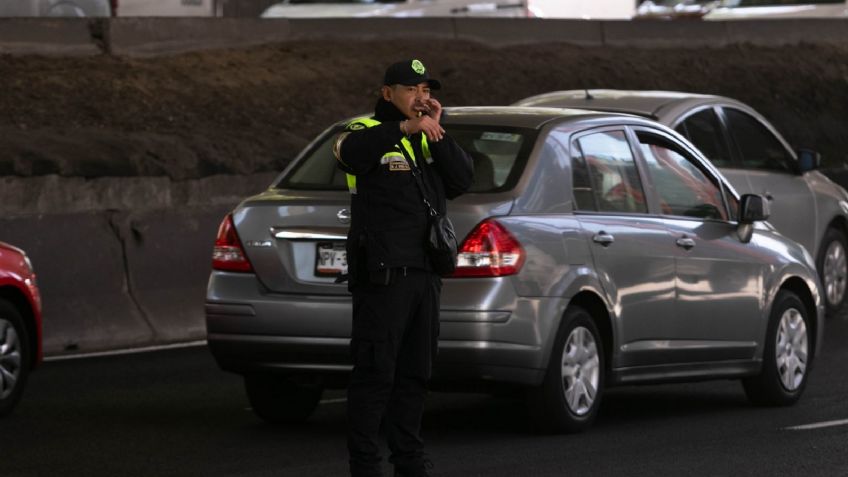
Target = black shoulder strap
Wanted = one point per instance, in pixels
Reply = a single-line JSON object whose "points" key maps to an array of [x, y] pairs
{"points": [[419, 181]]}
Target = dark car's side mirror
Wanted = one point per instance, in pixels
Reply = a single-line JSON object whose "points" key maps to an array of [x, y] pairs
{"points": [[753, 208], [808, 160]]}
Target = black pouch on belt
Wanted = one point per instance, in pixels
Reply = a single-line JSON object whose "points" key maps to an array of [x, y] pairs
{"points": [[382, 276]]}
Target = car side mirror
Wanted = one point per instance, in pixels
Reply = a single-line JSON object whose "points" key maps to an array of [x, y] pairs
{"points": [[808, 160], [753, 208]]}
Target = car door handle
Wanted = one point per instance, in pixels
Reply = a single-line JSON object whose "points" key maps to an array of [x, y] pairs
{"points": [[685, 242], [603, 238]]}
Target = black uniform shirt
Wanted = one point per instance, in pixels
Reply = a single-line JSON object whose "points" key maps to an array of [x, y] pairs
{"points": [[388, 217]]}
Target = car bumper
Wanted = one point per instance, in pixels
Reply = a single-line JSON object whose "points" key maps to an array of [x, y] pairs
{"points": [[251, 331]]}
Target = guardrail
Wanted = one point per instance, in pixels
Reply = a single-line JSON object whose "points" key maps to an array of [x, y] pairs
{"points": [[162, 36]]}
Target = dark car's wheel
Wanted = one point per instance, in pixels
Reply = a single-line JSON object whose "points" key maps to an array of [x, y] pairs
{"points": [[787, 355], [570, 395], [14, 357], [280, 400], [832, 264]]}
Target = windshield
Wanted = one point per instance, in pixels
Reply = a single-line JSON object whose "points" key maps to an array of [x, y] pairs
{"points": [[499, 155]]}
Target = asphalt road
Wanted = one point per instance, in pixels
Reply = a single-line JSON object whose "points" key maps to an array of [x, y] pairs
{"points": [[173, 413]]}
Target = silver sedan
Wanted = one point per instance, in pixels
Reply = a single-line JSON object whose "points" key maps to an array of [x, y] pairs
{"points": [[806, 206], [599, 249]]}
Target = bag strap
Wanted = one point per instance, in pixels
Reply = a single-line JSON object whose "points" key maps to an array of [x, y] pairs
{"points": [[419, 181]]}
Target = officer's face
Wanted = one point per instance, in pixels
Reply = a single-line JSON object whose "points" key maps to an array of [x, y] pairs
{"points": [[410, 100]]}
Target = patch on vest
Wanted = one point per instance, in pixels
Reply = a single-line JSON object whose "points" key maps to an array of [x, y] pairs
{"points": [[398, 164]]}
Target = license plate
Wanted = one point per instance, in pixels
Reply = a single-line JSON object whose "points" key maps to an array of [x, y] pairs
{"points": [[330, 259]]}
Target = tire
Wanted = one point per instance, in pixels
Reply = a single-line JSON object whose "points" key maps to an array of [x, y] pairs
{"points": [[280, 400], [787, 355], [832, 264], [566, 402], [15, 357]]}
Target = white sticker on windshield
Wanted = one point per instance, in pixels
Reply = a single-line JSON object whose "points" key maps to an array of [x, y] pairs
{"points": [[503, 137]]}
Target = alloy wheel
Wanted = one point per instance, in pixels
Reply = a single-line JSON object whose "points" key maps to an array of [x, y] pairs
{"points": [[580, 370], [791, 349], [835, 272], [10, 358]]}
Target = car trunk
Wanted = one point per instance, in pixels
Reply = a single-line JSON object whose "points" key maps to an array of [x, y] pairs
{"points": [[284, 231]]}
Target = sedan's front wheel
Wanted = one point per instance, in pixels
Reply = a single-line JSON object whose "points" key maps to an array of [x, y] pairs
{"points": [[570, 396], [787, 356], [280, 400]]}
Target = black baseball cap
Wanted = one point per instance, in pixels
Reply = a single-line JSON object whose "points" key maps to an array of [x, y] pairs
{"points": [[409, 73]]}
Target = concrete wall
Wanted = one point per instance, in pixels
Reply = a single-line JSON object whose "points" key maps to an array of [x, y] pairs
{"points": [[114, 273], [157, 36]]}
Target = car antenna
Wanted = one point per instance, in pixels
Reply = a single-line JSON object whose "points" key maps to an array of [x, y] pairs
{"points": [[588, 94]]}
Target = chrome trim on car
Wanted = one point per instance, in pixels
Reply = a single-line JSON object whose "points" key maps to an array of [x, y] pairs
{"points": [[311, 233]]}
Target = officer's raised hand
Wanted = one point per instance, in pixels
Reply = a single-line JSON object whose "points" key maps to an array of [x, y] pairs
{"points": [[429, 113]]}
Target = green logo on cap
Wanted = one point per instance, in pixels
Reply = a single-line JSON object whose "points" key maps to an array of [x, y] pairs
{"points": [[418, 67]]}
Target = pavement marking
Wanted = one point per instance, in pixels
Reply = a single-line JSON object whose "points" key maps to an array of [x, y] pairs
{"points": [[333, 401], [818, 425], [145, 349]]}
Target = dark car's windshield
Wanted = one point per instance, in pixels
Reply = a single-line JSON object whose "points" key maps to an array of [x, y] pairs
{"points": [[498, 153]]}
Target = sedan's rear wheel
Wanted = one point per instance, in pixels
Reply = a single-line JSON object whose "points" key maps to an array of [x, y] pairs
{"points": [[14, 357], [833, 269], [787, 356], [569, 398], [280, 400]]}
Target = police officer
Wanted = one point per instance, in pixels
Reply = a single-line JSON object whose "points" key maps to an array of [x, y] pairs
{"points": [[395, 291]]}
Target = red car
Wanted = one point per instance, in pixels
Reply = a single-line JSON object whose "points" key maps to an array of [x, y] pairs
{"points": [[20, 324]]}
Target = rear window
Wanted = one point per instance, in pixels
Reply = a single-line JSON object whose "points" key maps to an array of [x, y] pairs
{"points": [[499, 155]]}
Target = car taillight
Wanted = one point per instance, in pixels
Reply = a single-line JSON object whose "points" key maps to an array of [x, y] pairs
{"points": [[489, 251], [228, 254]]}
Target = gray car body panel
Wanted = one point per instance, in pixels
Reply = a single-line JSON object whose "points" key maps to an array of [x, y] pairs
{"points": [[502, 329]]}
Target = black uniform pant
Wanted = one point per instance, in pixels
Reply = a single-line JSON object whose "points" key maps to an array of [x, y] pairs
{"points": [[394, 340]]}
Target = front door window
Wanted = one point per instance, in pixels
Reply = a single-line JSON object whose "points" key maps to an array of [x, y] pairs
{"points": [[683, 188]]}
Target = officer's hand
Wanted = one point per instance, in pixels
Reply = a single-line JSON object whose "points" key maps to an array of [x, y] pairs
{"points": [[427, 124], [434, 109]]}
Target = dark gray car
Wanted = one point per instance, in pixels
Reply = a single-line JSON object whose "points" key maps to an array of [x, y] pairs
{"points": [[806, 206], [599, 249]]}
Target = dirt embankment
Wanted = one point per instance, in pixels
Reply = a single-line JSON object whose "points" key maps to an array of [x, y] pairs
{"points": [[251, 110]]}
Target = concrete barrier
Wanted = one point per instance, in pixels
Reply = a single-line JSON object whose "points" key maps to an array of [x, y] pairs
{"points": [[665, 34], [169, 255], [371, 28], [509, 31], [785, 32], [158, 36], [127, 277], [53, 194], [55, 37], [165, 36], [80, 269]]}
